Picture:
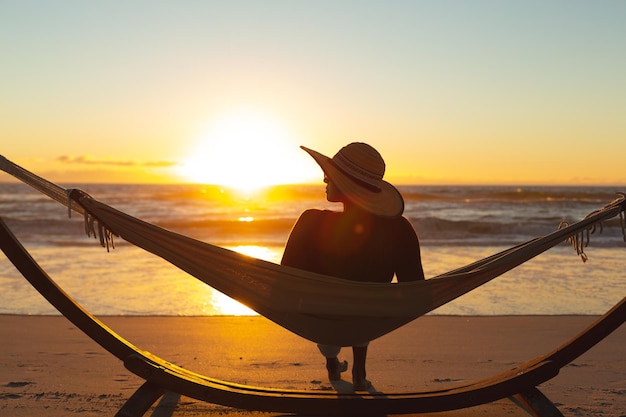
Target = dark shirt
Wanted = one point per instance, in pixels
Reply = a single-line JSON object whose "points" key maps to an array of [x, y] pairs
{"points": [[356, 246]]}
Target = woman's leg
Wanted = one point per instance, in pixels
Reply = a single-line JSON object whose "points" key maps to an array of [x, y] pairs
{"points": [[358, 368], [333, 366]]}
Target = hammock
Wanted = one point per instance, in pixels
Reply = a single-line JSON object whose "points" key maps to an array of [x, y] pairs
{"points": [[320, 308]]}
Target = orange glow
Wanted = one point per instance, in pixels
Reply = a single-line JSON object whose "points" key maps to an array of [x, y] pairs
{"points": [[246, 150]]}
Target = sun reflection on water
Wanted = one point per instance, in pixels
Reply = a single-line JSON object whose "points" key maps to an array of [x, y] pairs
{"points": [[224, 305], [260, 252]]}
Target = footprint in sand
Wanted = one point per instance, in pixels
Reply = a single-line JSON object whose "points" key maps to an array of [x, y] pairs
{"points": [[17, 384]]}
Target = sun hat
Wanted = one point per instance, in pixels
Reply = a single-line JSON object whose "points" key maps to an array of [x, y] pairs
{"points": [[357, 171]]}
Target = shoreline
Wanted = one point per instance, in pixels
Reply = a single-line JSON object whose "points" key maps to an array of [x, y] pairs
{"points": [[243, 316], [50, 367]]}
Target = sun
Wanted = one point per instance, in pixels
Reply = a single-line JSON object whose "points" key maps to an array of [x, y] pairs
{"points": [[246, 150]]}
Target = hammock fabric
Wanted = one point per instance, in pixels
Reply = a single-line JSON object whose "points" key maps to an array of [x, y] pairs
{"points": [[320, 308]]}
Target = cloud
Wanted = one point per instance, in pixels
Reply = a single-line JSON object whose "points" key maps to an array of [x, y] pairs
{"points": [[86, 160]]}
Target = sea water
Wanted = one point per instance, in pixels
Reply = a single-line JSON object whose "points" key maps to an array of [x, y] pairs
{"points": [[456, 226]]}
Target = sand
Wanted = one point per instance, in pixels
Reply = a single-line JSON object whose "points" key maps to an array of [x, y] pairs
{"points": [[49, 367]]}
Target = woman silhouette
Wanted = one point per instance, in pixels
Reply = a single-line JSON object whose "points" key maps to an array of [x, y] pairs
{"points": [[369, 240]]}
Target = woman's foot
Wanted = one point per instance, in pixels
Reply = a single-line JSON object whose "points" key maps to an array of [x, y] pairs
{"points": [[361, 384], [335, 368]]}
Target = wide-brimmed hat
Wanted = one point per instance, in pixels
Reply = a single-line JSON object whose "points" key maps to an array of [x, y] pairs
{"points": [[357, 171]]}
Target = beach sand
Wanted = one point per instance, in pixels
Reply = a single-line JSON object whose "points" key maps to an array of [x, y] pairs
{"points": [[49, 367]]}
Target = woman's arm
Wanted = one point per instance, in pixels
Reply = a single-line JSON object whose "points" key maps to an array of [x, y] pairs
{"points": [[408, 254], [298, 244]]}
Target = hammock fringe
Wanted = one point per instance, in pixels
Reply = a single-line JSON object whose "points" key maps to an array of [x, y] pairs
{"points": [[581, 240], [93, 225]]}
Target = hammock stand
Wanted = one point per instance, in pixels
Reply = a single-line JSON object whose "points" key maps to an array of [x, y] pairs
{"points": [[518, 383]]}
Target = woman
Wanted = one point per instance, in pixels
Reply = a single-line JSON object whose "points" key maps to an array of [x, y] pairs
{"points": [[369, 240]]}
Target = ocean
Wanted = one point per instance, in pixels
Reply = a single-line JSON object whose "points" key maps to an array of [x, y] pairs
{"points": [[456, 226]]}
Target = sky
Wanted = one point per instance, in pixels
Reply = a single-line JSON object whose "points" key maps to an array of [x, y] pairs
{"points": [[450, 92]]}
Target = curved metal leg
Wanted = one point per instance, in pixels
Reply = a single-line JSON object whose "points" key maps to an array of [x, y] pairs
{"points": [[536, 404], [141, 400]]}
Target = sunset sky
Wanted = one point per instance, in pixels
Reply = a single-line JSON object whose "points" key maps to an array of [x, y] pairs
{"points": [[450, 92]]}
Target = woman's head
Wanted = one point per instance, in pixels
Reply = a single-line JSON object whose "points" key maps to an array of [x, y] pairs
{"points": [[355, 174]]}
